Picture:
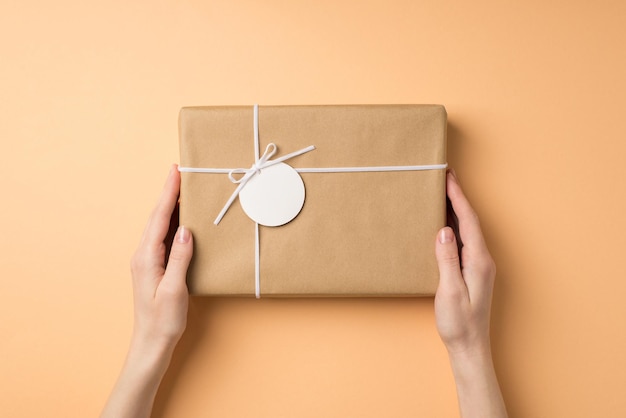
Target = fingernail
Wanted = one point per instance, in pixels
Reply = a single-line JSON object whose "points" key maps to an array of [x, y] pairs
{"points": [[454, 174], [183, 235], [446, 235]]}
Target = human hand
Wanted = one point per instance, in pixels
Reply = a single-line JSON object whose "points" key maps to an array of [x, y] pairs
{"points": [[463, 299], [462, 309], [159, 269]]}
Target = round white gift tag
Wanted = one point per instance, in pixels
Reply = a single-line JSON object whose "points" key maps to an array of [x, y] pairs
{"points": [[274, 196]]}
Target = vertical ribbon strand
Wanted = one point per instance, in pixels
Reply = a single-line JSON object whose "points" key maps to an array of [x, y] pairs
{"points": [[257, 252]]}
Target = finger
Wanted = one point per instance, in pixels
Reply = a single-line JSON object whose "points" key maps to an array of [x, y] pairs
{"points": [[477, 266], [451, 283], [159, 221], [171, 232], [453, 222], [469, 226], [178, 262]]}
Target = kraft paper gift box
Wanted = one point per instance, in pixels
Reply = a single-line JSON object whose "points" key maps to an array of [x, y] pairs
{"points": [[359, 233]]}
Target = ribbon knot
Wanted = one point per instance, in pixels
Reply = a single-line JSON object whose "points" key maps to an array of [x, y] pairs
{"points": [[256, 168]]}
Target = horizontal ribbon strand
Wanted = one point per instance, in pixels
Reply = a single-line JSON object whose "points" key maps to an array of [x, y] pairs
{"points": [[328, 169]]}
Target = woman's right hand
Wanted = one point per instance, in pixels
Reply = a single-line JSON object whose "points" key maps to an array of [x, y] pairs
{"points": [[463, 306]]}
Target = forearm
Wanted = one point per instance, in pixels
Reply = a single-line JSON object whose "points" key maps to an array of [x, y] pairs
{"points": [[477, 385], [135, 390]]}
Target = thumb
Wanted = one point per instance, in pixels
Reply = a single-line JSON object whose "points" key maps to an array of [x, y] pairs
{"points": [[448, 260], [180, 256]]}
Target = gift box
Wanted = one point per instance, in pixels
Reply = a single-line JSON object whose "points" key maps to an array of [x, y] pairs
{"points": [[372, 201]]}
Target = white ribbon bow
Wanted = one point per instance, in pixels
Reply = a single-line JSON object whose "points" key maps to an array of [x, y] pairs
{"points": [[255, 169]]}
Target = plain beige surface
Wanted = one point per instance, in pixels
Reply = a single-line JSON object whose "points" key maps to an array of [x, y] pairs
{"points": [[535, 93]]}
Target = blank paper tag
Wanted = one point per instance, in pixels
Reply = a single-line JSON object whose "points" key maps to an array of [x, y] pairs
{"points": [[274, 196]]}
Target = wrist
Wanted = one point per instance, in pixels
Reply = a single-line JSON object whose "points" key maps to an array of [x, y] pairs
{"points": [[470, 360], [146, 337], [473, 350], [149, 354], [476, 382], [144, 368]]}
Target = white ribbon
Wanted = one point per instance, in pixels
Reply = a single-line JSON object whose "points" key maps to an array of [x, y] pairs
{"points": [[264, 162], [256, 168]]}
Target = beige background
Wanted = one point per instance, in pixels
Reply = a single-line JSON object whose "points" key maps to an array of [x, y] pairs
{"points": [[90, 93]]}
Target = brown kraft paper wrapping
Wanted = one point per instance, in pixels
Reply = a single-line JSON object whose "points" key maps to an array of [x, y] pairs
{"points": [[358, 234]]}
